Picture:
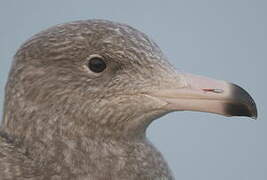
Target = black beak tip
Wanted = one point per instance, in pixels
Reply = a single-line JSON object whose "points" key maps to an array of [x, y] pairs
{"points": [[241, 110], [242, 104]]}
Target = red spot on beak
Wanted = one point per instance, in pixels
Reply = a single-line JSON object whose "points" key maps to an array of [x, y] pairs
{"points": [[208, 90]]}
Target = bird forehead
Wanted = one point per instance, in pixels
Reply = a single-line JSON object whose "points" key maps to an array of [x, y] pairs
{"points": [[116, 37], [96, 31], [109, 32]]}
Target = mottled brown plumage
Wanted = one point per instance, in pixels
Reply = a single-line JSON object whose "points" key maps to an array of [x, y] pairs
{"points": [[68, 120], [65, 122]]}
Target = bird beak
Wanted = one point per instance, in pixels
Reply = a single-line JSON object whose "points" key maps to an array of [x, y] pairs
{"points": [[208, 95]]}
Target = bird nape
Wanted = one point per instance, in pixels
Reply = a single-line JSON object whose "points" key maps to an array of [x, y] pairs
{"points": [[81, 95]]}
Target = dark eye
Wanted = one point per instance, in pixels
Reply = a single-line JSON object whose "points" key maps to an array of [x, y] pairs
{"points": [[97, 65]]}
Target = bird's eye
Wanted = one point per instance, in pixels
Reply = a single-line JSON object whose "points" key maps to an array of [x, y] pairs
{"points": [[97, 65]]}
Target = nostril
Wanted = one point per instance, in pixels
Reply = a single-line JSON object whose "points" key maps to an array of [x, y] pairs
{"points": [[219, 91]]}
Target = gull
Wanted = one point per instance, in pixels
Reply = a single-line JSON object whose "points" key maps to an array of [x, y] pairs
{"points": [[81, 95]]}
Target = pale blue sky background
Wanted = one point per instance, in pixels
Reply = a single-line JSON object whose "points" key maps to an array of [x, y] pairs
{"points": [[223, 39]]}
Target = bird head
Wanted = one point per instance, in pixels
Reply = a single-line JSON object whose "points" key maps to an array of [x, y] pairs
{"points": [[108, 79]]}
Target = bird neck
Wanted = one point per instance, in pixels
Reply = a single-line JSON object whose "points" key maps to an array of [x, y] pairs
{"points": [[50, 144], [55, 143], [106, 157]]}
